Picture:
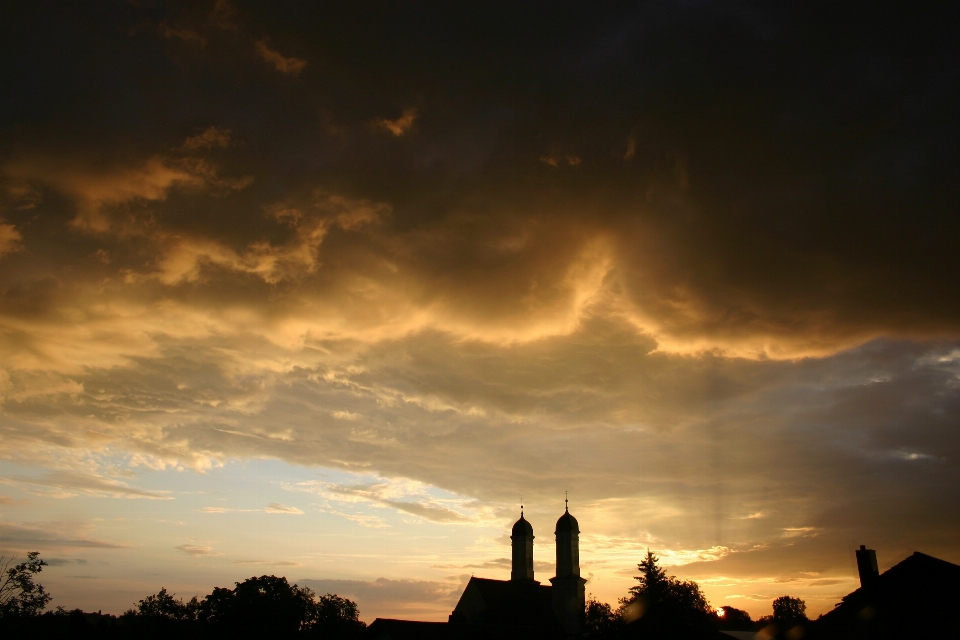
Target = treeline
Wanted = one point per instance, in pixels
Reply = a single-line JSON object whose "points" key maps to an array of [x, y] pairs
{"points": [[259, 607], [662, 606]]}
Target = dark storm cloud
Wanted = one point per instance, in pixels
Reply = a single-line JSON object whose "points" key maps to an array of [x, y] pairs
{"points": [[789, 176]]}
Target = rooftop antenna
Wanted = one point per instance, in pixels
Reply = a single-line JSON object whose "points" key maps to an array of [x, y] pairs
{"points": [[566, 502]]}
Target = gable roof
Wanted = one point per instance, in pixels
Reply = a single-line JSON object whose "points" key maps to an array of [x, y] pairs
{"points": [[914, 598], [506, 602]]}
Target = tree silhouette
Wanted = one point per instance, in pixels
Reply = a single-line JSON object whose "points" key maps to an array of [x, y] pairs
{"points": [[267, 604], [335, 617], [218, 607], [734, 619], [660, 604], [257, 608], [601, 621], [272, 606], [164, 605], [19, 594], [789, 612], [653, 583]]}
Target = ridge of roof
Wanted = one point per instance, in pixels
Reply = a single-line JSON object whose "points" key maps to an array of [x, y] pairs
{"points": [[917, 576]]}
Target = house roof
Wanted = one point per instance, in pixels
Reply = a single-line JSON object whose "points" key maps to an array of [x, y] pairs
{"points": [[914, 598]]}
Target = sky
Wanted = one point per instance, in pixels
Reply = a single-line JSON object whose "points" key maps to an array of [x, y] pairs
{"points": [[324, 289]]}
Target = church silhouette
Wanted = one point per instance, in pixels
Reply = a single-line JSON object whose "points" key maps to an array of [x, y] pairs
{"points": [[520, 607]]}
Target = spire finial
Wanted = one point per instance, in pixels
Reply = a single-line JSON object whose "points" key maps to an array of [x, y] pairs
{"points": [[521, 506], [566, 502]]}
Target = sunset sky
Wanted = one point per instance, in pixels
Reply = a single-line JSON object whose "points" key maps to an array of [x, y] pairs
{"points": [[321, 289]]}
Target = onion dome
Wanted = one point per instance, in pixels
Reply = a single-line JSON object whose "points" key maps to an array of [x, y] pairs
{"points": [[567, 523], [522, 528]]}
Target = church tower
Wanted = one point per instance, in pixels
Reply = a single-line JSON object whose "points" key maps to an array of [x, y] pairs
{"points": [[569, 598], [522, 541]]}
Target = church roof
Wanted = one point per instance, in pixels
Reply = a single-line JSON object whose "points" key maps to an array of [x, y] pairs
{"points": [[522, 527], [507, 602], [567, 523]]}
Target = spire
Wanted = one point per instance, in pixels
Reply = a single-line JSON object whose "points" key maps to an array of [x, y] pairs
{"points": [[568, 587], [522, 546], [568, 545]]}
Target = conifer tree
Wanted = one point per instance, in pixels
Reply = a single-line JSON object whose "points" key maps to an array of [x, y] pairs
{"points": [[654, 585]]}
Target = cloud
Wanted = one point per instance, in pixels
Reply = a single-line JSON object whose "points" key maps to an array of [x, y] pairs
{"points": [[428, 399], [185, 259], [498, 564], [98, 191], [31, 537], [194, 550], [276, 507], [384, 597], [288, 66], [59, 562], [364, 520], [66, 484], [209, 138], [429, 512], [691, 298], [272, 563], [556, 161], [400, 126], [224, 15], [9, 238], [180, 33], [273, 507], [22, 197], [390, 494]]}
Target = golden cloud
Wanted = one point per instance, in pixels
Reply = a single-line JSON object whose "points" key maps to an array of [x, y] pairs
{"points": [[9, 238], [181, 33], [400, 126], [64, 484], [194, 549], [288, 66], [97, 191], [209, 138], [276, 507]]}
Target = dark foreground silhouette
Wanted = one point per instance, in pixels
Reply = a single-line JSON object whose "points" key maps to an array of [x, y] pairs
{"points": [[917, 598], [259, 607]]}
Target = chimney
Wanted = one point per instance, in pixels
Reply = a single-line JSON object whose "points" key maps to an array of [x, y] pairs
{"points": [[867, 565]]}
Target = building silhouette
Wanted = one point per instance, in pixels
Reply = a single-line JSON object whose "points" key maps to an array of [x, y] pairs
{"points": [[918, 597], [520, 607]]}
